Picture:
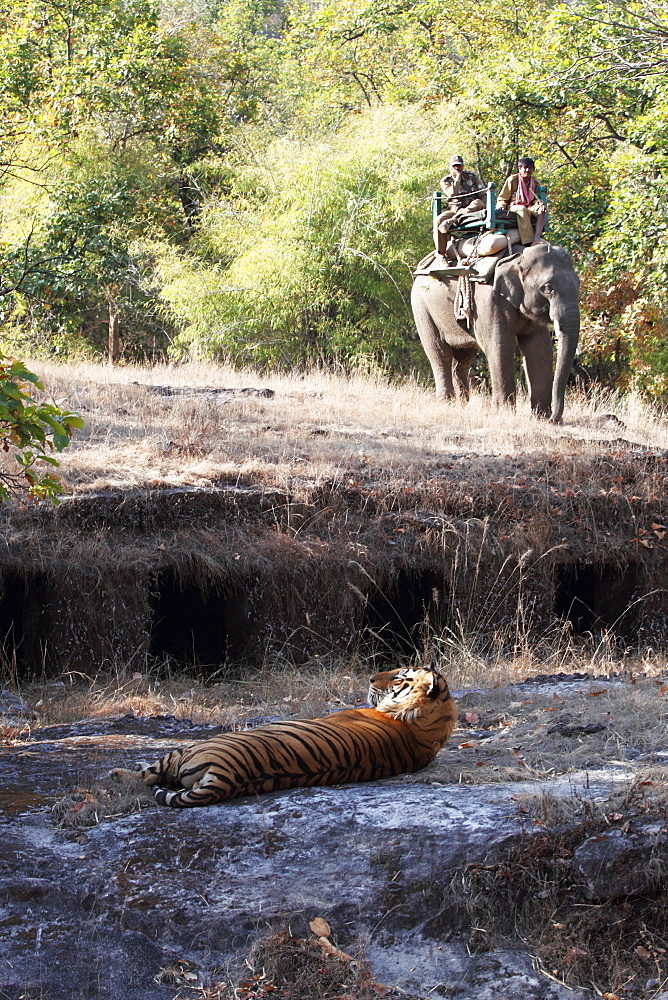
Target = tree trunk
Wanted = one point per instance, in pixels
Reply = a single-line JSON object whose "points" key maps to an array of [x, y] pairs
{"points": [[114, 335]]}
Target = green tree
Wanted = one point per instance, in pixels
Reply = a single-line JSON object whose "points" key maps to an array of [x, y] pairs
{"points": [[31, 431], [313, 248], [69, 63], [107, 108], [73, 249], [608, 61]]}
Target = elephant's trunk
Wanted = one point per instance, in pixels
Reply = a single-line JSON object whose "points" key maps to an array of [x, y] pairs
{"points": [[567, 328]]}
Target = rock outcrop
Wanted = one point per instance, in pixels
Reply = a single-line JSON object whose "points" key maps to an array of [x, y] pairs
{"points": [[100, 911]]}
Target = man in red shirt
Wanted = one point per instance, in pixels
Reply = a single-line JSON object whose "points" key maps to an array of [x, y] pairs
{"points": [[519, 194]]}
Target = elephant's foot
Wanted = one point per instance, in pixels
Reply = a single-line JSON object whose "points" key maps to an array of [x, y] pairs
{"points": [[504, 401], [463, 393], [541, 412]]}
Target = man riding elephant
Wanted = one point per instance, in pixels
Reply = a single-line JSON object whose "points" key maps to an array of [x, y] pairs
{"points": [[519, 194], [462, 188]]}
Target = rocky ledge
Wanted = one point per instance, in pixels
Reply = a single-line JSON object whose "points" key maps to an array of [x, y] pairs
{"points": [[99, 911]]}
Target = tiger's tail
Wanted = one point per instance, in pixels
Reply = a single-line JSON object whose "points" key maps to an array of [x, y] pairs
{"points": [[189, 797]]}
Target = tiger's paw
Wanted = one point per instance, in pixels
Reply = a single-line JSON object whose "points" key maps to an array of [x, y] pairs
{"points": [[123, 775], [119, 774], [141, 765]]}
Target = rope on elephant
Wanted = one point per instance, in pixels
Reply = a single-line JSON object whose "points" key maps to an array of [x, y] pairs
{"points": [[463, 304]]}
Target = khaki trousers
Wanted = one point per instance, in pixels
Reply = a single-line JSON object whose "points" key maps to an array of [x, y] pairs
{"points": [[525, 222]]}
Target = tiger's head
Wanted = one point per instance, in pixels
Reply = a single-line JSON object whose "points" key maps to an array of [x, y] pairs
{"points": [[418, 696]]}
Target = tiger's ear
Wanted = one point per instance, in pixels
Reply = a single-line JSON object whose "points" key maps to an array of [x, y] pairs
{"points": [[432, 690]]}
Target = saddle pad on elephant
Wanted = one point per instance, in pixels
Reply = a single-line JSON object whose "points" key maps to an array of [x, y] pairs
{"points": [[490, 243], [438, 267], [485, 267], [457, 264]]}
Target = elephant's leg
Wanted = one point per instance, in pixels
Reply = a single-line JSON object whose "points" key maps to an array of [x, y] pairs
{"points": [[500, 350], [440, 359], [464, 357], [438, 352], [537, 352]]}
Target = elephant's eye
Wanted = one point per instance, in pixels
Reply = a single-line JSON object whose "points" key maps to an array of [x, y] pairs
{"points": [[547, 289]]}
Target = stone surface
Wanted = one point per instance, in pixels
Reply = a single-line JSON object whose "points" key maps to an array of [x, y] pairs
{"points": [[614, 863], [13, 710], [98, 913]]}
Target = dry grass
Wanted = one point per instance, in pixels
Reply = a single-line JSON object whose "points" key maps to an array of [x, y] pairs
{"points": [[317, 427], [88, 807], [318, 688], [285, 966], [378, 478], [534, 734]]}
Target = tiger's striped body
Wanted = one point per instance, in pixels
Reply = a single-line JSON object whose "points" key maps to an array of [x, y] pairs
{"points": [[413, 718]]}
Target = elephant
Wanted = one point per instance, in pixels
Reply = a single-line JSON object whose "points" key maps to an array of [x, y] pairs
{"points": [[530, 290]]}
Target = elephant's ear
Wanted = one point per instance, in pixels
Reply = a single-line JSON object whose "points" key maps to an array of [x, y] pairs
{"points": [[507, 281]]}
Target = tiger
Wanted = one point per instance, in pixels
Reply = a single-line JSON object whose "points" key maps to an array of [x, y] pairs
{"points": [[412, 717]]}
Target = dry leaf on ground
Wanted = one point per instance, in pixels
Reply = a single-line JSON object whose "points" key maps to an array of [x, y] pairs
{"points": [[320, 927]]}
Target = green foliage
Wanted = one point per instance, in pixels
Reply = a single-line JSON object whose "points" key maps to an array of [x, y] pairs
{"points": [[64, 66], [605, 63], [31, 431], [628, 304], [317, 250], [83, 247], [249, 179], [105, 105]]}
